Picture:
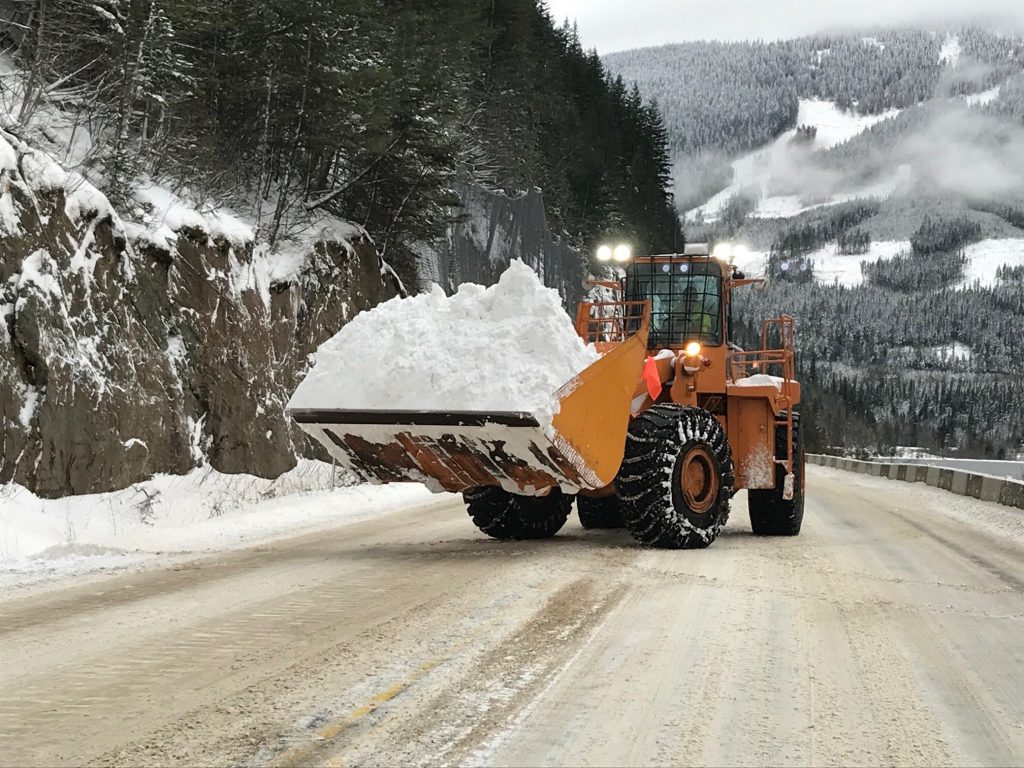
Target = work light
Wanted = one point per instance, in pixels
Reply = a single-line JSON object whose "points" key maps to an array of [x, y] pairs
{"points": [[723, 251]]}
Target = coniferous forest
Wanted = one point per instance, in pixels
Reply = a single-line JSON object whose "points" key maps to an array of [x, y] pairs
{"points": [[368, 110]]}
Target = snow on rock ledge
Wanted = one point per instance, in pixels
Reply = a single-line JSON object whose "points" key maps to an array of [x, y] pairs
{"points": [[504, 348]]}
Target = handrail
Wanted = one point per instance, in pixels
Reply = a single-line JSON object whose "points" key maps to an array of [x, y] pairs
{"points": [[611, 322]]}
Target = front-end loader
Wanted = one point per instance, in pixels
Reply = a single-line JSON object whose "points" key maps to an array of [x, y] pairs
{"points": [[657, 435]]}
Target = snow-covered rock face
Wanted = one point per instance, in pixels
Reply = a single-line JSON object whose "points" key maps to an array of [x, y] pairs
{"points": [[504, 348], [123, 355]]}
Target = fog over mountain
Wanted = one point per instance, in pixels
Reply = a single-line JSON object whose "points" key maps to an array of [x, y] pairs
{"points": [[610, 26]]}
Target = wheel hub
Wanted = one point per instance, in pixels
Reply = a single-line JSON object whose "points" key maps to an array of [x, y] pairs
{"points": [[698, 479]]}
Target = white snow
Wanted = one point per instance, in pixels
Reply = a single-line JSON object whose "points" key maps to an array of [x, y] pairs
{"points": [[834, 125], [951, 51], [10, 221], [984, 258], [85, 201], [41, 172], [509, 347], [757, 169], [171, 214], [760, 380], [952, 352], [832, 267], [38, 270], [28, 408], [171, 516], [984, 98], [8, 157]]}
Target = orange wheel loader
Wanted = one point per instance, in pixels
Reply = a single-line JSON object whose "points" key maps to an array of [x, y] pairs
{"points": [[655, 436]]}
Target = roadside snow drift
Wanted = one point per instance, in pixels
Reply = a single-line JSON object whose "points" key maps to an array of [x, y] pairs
{"points": [[509, 347], [172, 515]]}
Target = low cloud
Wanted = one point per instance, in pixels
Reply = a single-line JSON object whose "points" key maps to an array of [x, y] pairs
{"points": [[966, 151]]}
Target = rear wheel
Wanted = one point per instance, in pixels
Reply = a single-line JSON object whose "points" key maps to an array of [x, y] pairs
{"points": [[503, 515], [771, 514], [600, 512], [676, 478]]}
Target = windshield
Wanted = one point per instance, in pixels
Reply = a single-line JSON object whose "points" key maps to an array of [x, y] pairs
{"points": [[686, 301]]}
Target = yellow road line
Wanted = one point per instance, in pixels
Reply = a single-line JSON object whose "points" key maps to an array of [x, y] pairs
{"points": [[331, 731]]}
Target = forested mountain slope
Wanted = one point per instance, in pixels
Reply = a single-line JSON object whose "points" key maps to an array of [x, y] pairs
{"points": [[878, 180]]}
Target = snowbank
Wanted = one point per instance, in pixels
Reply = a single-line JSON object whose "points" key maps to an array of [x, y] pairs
{"points": [[170, 515], [504, 348]]}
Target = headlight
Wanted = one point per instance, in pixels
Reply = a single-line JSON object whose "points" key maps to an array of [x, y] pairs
{"points": [[723, 251], [623, 253], [604, 253], [693, 349]]}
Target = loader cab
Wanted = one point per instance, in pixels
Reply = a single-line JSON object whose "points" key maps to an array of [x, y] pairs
{"points": [[686, 295]]}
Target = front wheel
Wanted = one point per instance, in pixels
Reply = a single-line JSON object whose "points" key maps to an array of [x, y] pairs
{"points": [[676, 478], [503, 515]]}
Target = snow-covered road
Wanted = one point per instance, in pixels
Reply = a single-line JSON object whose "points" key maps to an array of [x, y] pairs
{"points": [[889, 633]]}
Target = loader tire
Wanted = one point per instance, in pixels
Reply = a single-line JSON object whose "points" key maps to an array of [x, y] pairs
{"points": [[503, 515], [604, 512], [770, 513], [677, 478]]}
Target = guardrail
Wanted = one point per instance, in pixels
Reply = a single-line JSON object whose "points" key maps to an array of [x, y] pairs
{"points": [[984, 487]]}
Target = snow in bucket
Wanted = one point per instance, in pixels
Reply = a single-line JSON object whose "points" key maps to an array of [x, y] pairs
{"points": [[506, 348]]}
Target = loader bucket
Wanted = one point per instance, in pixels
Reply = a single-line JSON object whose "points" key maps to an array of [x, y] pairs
{"points": [[455, 451]]}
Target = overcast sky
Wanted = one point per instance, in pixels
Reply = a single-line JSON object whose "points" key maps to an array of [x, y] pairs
{"points": [[615, 25]]}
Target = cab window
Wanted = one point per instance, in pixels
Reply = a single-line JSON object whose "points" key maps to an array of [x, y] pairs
{"points": [[686, 300]]}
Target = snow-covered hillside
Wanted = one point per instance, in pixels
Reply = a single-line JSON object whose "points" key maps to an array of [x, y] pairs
{"points": [[830, 267], [784, 158]]}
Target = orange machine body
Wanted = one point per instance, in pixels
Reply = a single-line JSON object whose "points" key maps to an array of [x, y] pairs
{"points": [[718, 378]]}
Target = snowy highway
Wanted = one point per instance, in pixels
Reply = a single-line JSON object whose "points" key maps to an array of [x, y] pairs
{"points": [[888, 633]]}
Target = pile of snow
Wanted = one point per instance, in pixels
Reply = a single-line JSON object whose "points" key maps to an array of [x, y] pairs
{"points": [[509, 347], [170, 515], [779, 159], [760, 380]]}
